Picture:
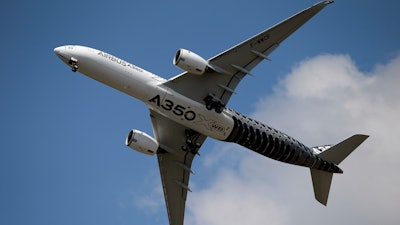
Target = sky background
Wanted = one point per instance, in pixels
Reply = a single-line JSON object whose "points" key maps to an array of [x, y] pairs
{"points": [[62, 153]]}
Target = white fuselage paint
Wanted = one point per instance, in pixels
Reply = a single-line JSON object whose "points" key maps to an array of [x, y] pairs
{"points": [[148, 88]]}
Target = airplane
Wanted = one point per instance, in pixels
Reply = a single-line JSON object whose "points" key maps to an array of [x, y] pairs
{"points": [[192, 106]]}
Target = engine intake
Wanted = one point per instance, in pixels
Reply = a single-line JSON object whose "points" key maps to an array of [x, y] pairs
{"points": [[190, 62], [141, 142]]}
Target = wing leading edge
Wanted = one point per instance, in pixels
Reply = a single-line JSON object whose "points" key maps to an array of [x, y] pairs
{"points": [[235, 63]]}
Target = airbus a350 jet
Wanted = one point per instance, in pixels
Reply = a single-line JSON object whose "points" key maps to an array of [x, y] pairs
{"points": [[192, 106]]}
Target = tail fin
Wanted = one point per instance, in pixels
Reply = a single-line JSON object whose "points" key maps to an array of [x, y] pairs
{"points": [[321, 183], [336, 154]]}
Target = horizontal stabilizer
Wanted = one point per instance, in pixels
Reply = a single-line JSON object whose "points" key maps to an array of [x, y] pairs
{"points": [[339, 152]]}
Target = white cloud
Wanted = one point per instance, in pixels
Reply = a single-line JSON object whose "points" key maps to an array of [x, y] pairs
{"points": [[147, 195], [322, 101]]}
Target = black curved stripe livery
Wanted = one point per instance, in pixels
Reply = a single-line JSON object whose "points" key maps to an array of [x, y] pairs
{"points": [[274, 144]]}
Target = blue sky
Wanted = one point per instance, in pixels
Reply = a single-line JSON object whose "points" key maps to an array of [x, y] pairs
{"points": [[62, 154]]}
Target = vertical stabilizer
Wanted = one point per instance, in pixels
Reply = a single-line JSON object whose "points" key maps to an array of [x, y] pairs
{"points": [[336, 154], [321, 183]]}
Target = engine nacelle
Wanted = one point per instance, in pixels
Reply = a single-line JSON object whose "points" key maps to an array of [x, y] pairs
{"points": [[141, 142], [190, 62]]}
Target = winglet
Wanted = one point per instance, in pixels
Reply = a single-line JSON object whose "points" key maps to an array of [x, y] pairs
{"points": [[327, 2]]}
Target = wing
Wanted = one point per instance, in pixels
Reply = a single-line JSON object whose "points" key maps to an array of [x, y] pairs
{"points": [[174, 162], [235, 63]]}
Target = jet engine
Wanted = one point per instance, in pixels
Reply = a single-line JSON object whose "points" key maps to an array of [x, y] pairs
{"points": [[141, 142], [190, 62]]}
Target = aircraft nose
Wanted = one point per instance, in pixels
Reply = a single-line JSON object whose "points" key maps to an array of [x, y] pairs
{"points": [[57, 50], [62, 53], [67, 54]]}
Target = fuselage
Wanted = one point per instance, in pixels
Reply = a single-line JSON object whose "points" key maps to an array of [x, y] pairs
{"points": [[227, 126]]}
